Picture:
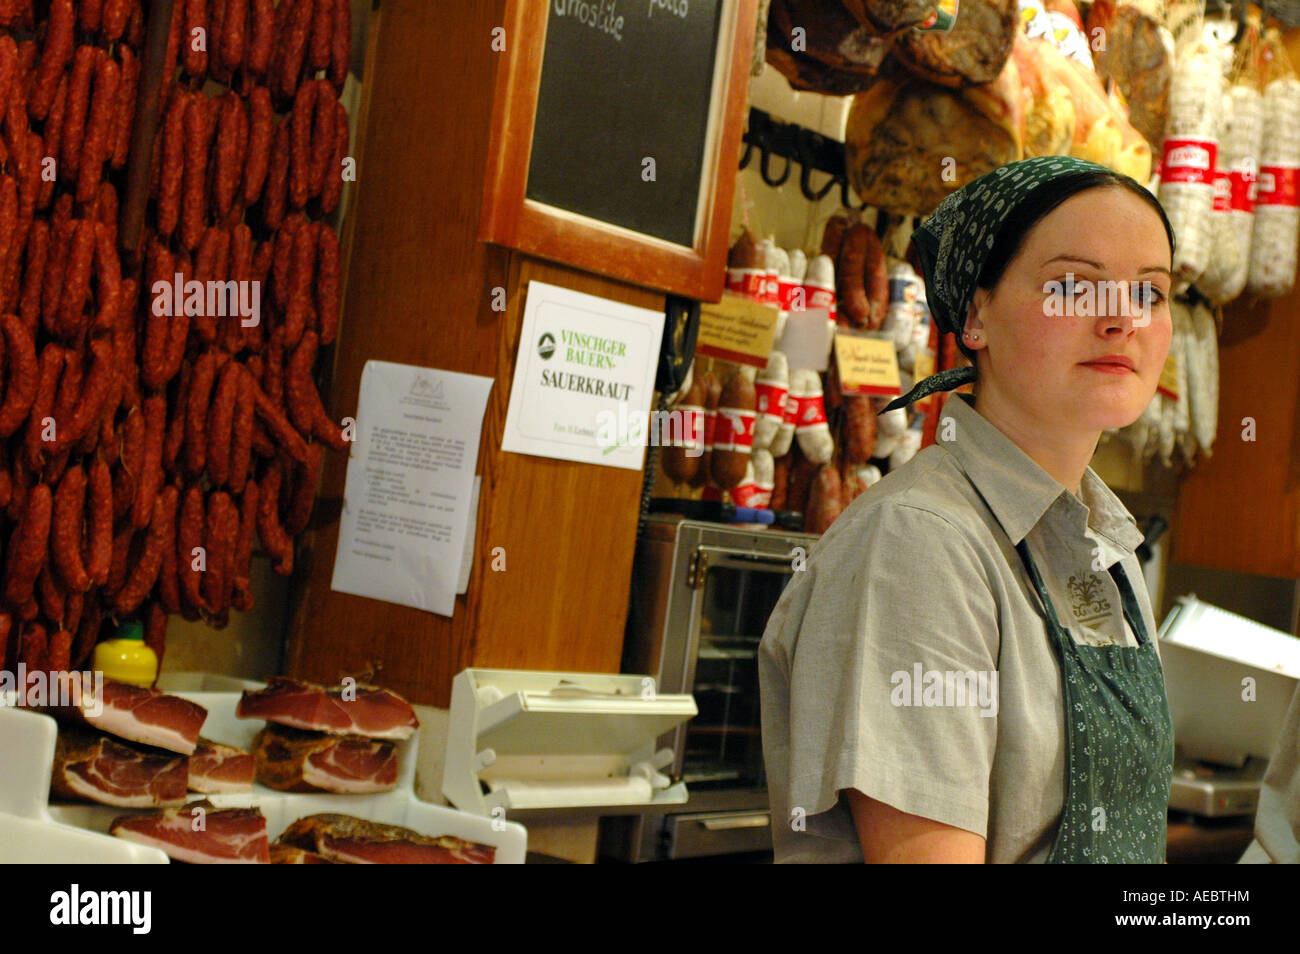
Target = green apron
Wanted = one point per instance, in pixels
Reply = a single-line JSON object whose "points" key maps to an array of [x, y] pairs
{"points": [[1119, 741]]}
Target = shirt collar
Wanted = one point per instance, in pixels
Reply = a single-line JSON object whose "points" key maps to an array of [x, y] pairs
{"points": [[1017, 489]]}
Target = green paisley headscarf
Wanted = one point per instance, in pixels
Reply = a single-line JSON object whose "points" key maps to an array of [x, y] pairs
{"points": [[955, 241]]}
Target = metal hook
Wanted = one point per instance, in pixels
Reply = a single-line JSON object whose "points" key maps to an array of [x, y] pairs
{"points": [[762, 168], [807, 145]]}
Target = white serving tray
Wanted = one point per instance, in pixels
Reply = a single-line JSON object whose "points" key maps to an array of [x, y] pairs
{"points": [[34, 829]]}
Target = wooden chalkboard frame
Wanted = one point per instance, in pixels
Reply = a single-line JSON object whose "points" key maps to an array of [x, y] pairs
{"points": [[508, 217]]}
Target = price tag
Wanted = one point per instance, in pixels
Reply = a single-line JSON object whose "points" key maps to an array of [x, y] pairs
{"points": [[867, 364], [737, 329], [1168, 383]]}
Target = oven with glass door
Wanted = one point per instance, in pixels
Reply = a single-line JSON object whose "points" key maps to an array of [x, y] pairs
{"points": [[701, 596]]}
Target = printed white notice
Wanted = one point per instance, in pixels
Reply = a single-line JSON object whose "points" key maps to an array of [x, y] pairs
{"points": [[407, 502], [584, 378], [467, 557]]}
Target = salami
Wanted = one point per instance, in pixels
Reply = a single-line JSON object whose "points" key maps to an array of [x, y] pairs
{"points": [[179, 414], [733, 433], [323, 137], [196, 449], [59, 39], [38, 247], [241, 441], [50, 369], [199, 126], [262, 32], [241, 567], [194, 39], [261, 132], [189, 545], [681, 458], [341, 45], [169, 592], [100, 525], [65, 532], [306, 479], [53, 138], [23, 374], [276, 195], [327, 284], [332, 185], [302, 268], [76, 279], [155, 630], [127, 91], [87, 633], [97, 147], [300, 129], [269, 530], [151, 462], [153, 356], [221, 419], [207, 268], [117, 14], [825, 501], [321, 38], [173, 162], [74, 119], [218, 542], [126, 481], [144, 572], [234, 31], [108, 275], [229, 156], [94, 393], [294, 44], [279, 427], [27, 546]]}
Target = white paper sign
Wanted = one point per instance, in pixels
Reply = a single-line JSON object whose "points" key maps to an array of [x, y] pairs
{"points": [[407, 503], [807, 340], [584, 378], [467, 556]]}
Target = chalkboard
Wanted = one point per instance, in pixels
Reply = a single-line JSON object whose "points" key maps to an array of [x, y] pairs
{"points": [[623, 112]]}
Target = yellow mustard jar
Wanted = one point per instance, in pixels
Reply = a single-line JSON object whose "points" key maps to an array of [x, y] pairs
{"points": [[126, 658]]}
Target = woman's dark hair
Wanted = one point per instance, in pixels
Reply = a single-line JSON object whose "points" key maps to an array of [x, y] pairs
{"points": [[1043, 200]]}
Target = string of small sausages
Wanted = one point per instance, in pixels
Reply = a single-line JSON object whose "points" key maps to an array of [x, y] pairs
{"points": [[145, 454]]}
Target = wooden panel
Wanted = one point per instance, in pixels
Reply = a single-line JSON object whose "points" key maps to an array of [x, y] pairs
{"points": [[1237, 510], [419, 292], [568, 530]]}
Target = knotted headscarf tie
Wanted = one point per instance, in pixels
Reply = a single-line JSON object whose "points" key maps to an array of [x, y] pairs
{"points": [[954, 243]]}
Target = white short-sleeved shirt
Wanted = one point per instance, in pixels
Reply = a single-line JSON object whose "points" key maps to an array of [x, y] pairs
{"points": [[918, 584]]}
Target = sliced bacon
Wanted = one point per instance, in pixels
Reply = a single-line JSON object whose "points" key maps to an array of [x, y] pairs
{"points": [[139, 715], [344, 838], [200, 833], [293, 760], [89, 766], [216, 768], [339, 710], [288, 855]]}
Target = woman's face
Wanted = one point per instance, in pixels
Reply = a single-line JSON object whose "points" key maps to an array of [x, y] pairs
{"points": [[1090, 281]]}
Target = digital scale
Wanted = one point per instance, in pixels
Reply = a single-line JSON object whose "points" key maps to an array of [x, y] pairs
{"points": [[1230, 681]]}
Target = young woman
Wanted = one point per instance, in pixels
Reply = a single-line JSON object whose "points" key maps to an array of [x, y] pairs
{"points": [[966, 670]]}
